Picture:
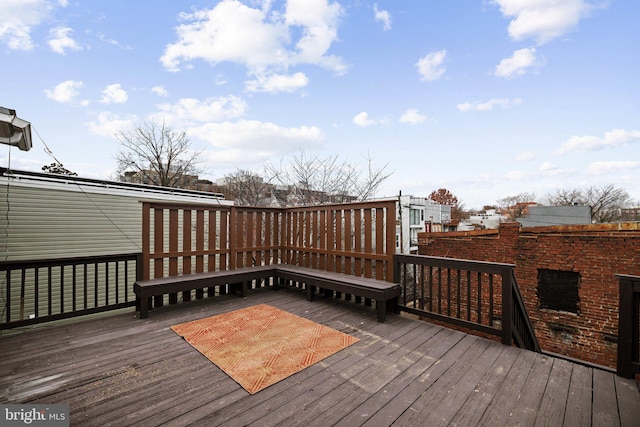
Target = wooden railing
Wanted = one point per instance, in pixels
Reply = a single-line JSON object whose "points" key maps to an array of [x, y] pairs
{"points": [[628, 326], [355, 238], [475, 295], [46, 290]]}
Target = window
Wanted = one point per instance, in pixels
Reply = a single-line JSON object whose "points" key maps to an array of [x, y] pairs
{"points": [[414, 217], [558, 290]]}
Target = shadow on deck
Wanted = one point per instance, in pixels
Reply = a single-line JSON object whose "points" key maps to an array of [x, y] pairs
{"points": [[119, 370]]}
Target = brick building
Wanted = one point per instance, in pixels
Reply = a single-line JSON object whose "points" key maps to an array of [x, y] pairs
{"points": [[565, 274]]}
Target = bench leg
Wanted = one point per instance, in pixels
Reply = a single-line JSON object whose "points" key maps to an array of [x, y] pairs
{"points": [[381, 308], [144, 307], [311, 290], [392, 306]]}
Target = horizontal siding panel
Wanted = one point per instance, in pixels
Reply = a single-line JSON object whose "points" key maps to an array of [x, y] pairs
{"points": [[61, 221], [49, 223]]}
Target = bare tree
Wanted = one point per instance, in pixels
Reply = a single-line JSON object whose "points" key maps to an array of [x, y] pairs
{"points": [[314, 180], [160, 154], [517, 206], [606, 202], [248, 188]]}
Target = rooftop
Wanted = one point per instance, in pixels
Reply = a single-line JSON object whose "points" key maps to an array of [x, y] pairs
{"points": [[119, 370]]}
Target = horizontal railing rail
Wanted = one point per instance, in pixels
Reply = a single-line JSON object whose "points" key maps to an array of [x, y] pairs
{"points": [[628, 326], [475, 295], [37, 291]]}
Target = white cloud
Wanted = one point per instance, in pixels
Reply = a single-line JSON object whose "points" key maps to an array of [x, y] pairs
{"points": [[613, 138], [517, 175], [265, 41], [231, 31], [412, 116], [601, 168], [362, 119], [526, 156], [542, 20], [191, 111], [517, 65], [114, 94], [382, 16], [108, 124], [160, 91], [548, 167], [18, 19], [245, 141], [277, 83], [318, 22], [64, 92], [103, 38], [489, 105], [430, 67], [59, 40]]}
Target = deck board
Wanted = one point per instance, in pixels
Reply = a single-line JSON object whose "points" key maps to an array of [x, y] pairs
{"points": [[557, 390], [116, 369]]}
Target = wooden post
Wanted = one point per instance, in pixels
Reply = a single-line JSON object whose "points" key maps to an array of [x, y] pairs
{"points": [[146, 244], [507, 304], [625, 327]]}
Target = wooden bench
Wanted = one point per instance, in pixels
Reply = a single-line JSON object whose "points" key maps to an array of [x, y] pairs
{"points": [[384, 293], [145, 289]]}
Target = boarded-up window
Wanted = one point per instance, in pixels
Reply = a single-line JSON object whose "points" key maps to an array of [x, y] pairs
{"points": [[558, 290]]}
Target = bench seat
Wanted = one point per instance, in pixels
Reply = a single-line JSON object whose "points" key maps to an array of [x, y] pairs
{"points": [[144, 289], [385, 294]]}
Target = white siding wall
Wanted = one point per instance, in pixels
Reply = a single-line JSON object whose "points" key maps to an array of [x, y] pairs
{"points": [[52, 223], [59, 220]]}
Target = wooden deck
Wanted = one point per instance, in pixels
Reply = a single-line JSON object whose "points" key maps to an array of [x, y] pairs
{"points": [[119, 370]]}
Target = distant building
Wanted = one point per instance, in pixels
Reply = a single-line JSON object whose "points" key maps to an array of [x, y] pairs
{"points": [[151, 177], [417, 215], [630, 214], [543, 216], [490, 219]]}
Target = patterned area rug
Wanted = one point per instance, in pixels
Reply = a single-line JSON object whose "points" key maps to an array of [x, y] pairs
{"points": [[261, 345]]}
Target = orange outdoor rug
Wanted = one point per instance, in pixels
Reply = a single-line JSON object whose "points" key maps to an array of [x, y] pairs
{"points": [[261, 345]]}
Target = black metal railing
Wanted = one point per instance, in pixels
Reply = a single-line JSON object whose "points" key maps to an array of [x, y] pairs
{"points": [[628, 326], [45, 290], [479, 296]]}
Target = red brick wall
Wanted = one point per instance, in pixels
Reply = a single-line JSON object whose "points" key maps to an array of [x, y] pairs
{"points": [[596, 252]]}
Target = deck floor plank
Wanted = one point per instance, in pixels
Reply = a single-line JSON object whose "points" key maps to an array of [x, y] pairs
{"points": [[557, 390], [432, 407], [472, 410], [628, 408], [419, 360], [525, 411], [605, 405], [115, 369], [578, 409], [404, 400]]}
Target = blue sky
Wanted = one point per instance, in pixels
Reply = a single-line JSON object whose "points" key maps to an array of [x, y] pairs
{"points": [[488, 99]]}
